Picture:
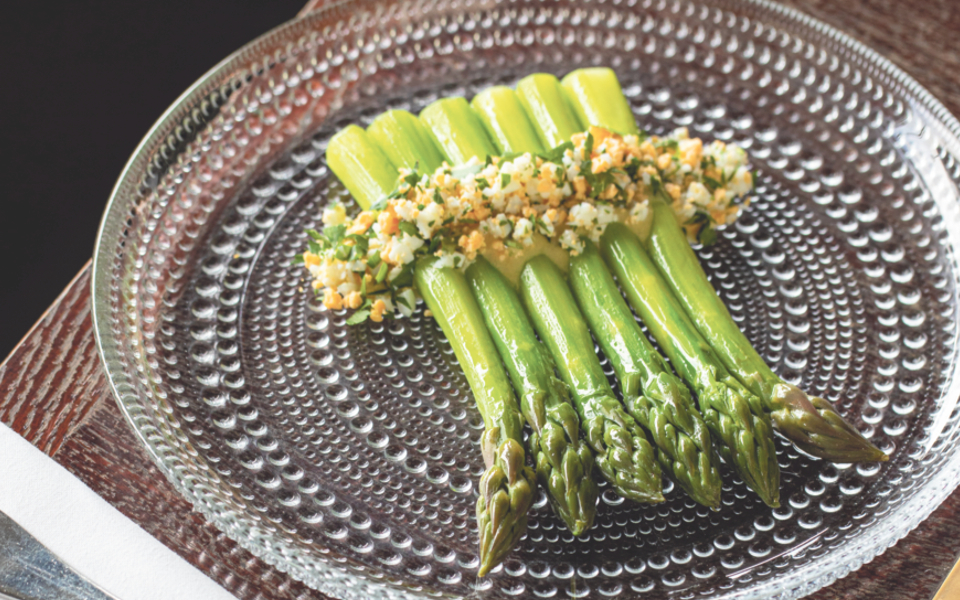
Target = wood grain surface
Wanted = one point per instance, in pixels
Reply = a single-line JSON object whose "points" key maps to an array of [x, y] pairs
{"points": [[53, 392]]}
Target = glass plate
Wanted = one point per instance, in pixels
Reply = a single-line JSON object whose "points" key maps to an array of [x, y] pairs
{"points": [[348, 456]]}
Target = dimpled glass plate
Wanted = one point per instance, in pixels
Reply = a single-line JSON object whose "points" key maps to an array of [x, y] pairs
{"points": [[348, 457]]}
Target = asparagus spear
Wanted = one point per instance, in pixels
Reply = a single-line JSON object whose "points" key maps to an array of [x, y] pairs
{"points": [[809, 422], [361, 165], [506, 121], [405, 141], [457, 130], [564, 463], [733, 414], [548, 109], [596, 97], [659, 401], [506, 488], [624, 455]]}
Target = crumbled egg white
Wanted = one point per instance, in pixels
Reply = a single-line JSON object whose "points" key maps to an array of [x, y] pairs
{"points": [[400, 249], [334, 215], [523, 232]]}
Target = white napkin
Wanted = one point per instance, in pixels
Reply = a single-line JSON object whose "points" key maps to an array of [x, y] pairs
{"points": [[88, 534]]}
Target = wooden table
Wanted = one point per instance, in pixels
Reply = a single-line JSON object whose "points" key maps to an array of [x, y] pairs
{"points": [[53, 392]]}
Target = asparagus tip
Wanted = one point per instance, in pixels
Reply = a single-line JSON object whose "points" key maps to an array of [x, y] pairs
{"points": [[746, 438], [685, 449], [624, 455], [768, 488], [506, 493], [814, 425], [707, 497], [578, 528], [772, 502], [565, 467]]}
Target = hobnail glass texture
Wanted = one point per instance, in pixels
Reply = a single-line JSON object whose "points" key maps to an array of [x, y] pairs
{"points": [[348, 457]]}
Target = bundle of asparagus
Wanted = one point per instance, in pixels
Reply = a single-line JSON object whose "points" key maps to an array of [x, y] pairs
{"points": [[810, 423], [625, 456], [652, 394], [564, 464], [735, 417], [466, 181]]}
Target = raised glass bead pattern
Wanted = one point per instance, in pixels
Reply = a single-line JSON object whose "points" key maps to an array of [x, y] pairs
{"points": [[348, 456]]}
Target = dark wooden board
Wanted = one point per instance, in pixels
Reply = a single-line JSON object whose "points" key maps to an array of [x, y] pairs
{"points": [[53, 392]]}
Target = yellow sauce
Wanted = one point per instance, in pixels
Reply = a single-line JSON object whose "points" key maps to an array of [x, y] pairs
{"points": [[511, 262]]}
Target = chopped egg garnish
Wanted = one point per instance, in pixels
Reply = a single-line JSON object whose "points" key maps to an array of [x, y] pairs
{"points": [[568, 195]]}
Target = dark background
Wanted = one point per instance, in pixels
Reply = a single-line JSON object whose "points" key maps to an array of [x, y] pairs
{"points": [[81, 83]]}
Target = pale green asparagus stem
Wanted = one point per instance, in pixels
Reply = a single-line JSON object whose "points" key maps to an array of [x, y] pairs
{"points": [[548, 109], [506, 121], [457, 130], [596, 97], [360, 164], [405, 141]]}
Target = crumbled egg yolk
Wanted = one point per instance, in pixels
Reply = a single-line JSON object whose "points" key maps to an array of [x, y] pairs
{"points": [[568, 195]]}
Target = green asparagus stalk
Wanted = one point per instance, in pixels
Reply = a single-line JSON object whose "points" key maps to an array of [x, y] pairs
{"points": [[360, 164], [506, 121], [733, 414], [625, 457], [659, 401], [548, 109], [457, 130], [809, 422], [506, 488], [596, 97], [405, 141], [564, 463]]}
